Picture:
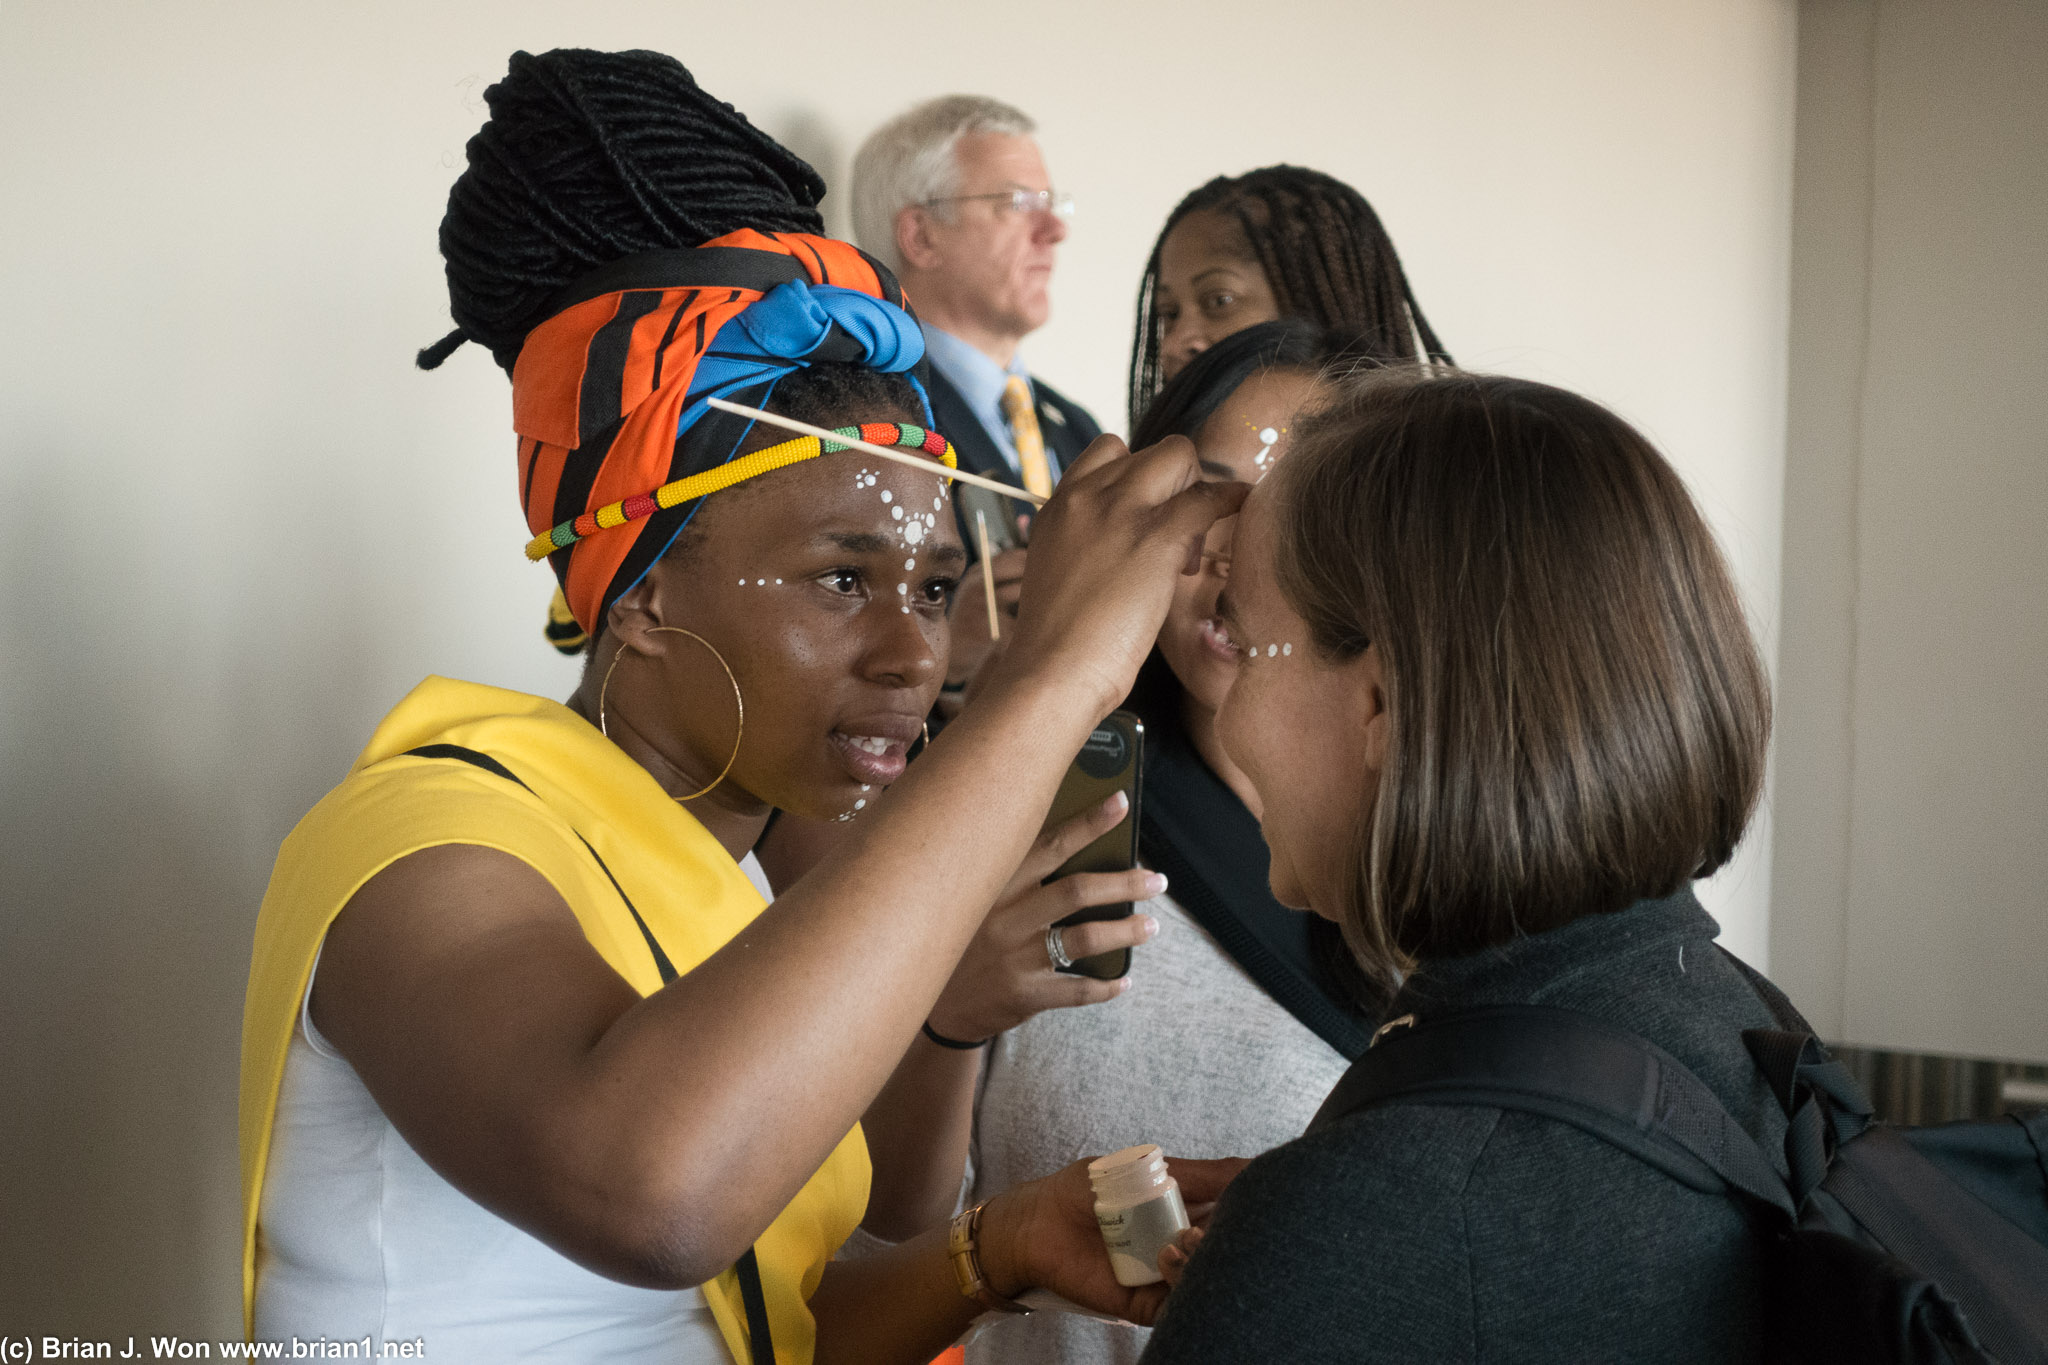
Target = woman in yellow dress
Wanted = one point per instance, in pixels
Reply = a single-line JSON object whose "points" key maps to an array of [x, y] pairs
{"points": [[529, 1072]]}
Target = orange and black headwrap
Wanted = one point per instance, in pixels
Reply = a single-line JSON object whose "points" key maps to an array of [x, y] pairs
{"points": [[604, 388]]}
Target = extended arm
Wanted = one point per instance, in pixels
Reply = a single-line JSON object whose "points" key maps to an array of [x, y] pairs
{"points": [[654, 1139]]}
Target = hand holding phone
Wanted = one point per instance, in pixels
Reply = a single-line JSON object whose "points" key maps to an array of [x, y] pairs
{"points": [[1111, 761], [1003, 977]]}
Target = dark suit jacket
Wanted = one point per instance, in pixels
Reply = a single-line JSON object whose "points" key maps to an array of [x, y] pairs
{"points": [[1065, 425]]}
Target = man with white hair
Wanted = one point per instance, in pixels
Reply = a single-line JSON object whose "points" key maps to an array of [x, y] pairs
{"points": [[953, 195]]}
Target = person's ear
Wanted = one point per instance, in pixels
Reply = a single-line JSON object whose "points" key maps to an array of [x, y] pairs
{"points": [[916, 243], [1371, 694], [636, 612]]}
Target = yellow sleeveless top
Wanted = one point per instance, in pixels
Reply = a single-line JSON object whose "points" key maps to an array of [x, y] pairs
{"points": [[689, 891]]}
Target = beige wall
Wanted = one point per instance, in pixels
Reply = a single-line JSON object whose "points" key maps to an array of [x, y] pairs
{"points": [[1912, 762], [239, 525]]}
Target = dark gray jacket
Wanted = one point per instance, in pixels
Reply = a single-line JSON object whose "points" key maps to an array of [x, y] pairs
{"points": [[1435, 1233]]}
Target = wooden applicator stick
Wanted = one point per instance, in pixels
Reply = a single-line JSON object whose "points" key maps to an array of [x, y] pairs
{"points": [[988, 576], [879, 452]]}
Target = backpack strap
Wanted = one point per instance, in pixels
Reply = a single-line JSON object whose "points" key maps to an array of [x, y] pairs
{"points": [[1572, 1068], [1822, 1101], [748, 1267]]}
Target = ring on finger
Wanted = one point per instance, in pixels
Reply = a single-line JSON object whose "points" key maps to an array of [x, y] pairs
{"points": [[1056, 949]]}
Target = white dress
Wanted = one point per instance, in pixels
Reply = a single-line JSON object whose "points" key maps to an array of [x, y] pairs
{"points": [[1195, 1056]]}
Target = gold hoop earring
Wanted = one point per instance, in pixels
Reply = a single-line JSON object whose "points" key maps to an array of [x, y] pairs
{"points": [[738, 701]]}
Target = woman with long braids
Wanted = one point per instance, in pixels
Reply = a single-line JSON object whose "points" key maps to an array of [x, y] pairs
{"points": [[528, 1069], [1277, 242]]}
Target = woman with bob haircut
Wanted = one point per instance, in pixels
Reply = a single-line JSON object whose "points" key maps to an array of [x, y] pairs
{"points": [[1501, 707]]}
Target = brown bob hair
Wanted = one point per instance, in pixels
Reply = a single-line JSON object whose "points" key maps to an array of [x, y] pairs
{"points": [[1578, 712]]}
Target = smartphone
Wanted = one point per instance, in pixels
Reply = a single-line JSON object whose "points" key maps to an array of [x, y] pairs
{"points": [[1113, 760]]}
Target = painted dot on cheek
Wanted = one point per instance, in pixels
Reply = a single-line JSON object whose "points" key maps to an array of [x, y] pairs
{"points": [[1271, 650], [887, 496], [860, 804], [1284, 649]]}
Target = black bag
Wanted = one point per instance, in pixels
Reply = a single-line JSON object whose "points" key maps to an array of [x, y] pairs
{"points": [[1889, 1246]]}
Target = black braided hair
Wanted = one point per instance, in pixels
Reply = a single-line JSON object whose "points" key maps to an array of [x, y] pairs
{"points": [[1326, 257], [591, 156]]}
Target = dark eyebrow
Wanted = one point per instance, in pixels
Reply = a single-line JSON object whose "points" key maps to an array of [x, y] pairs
{"points": [[1214, 270], [1221, 471], [870, 543], [858, 542]]}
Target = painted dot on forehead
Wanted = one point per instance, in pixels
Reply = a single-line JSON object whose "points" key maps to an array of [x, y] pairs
{"points": [[887, 496], [896, 513]]}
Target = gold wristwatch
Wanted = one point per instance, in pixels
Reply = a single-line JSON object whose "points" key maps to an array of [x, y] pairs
{"points": [[963, 1244]]}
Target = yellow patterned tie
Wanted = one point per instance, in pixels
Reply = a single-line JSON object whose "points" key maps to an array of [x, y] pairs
{"points": [[1024, 432]]}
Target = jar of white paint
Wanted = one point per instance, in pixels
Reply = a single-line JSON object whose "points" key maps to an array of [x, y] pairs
{"points": [[1139, 1208]]}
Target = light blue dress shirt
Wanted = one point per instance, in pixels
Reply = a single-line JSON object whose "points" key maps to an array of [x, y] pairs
{"points": [[981, 382]]}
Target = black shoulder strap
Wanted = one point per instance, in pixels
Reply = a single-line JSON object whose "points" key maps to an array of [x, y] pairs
{"points": [[748, 1266], [1567, 1066], [662, 965]]}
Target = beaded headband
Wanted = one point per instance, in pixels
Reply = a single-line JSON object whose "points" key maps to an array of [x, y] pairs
{"points": [[778, 456]]}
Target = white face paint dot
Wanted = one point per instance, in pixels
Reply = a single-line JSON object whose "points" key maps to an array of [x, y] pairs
{"points": [[896, 513], [1269, 436], [909, 564], [778, 582], [887, 496], [913, 530], [903, 589], [1271, 650], [862, 803], [935, 504], [1287, 649], [743, 582], [760, 582]]}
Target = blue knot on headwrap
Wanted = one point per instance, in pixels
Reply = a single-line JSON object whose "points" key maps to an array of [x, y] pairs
{"points": [[798, 324]]}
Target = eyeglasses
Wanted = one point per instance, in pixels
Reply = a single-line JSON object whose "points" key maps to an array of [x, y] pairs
{"points": [[1016, 201]]}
